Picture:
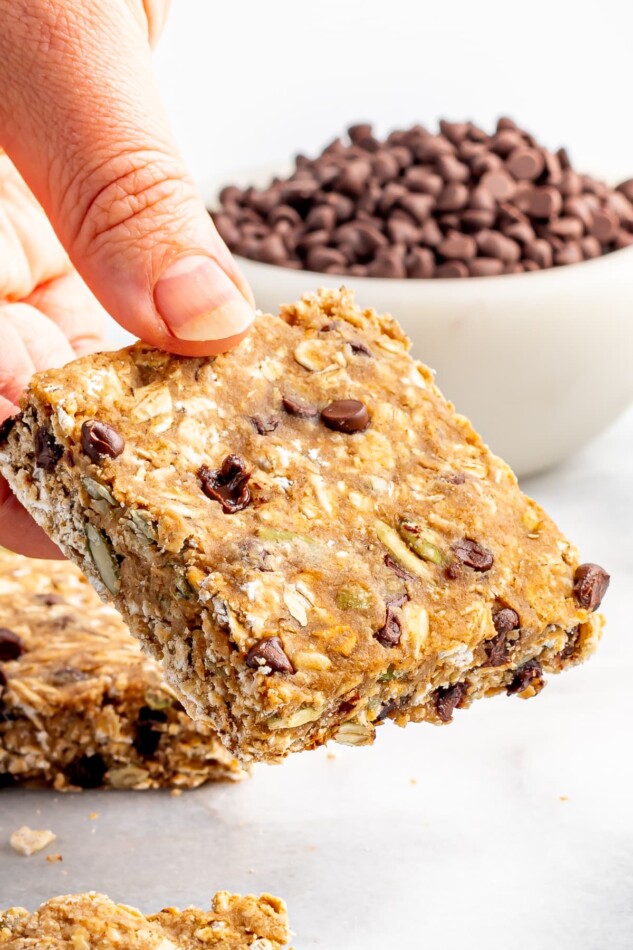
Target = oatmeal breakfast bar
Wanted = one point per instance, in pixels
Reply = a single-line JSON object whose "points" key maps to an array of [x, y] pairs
{"points": [[93, 922], [80, 705], [303, 530]]}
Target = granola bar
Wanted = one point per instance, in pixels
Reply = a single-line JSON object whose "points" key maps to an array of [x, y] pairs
{"points": [[80, 704], [303, 530], [93, 922]]}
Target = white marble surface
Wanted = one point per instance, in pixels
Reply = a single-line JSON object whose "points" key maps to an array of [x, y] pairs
{"points": [[512, 828]]}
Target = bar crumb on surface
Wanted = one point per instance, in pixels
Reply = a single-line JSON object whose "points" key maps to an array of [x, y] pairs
{"points": [[303, 531], [29, 841], [93, 922]]}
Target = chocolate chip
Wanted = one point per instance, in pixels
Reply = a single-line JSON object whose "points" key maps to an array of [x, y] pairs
{"points": [[6, 426], [485, 267], [458, 246], [3, 681], [526, 163], [349, 704], [11, 645], [544, 203], [228, 484], [453, 197], [100, 440], [147, 735], [272, 250], [294, 407], [284, 213], [570, 648], [398, 569], [497, 650], [499, 184], [505, 619], [424, 182], [385, 167], [47, 451], [590, 585], [530, 674], [227, 228], [626, 188], [570, 184], [420, 263], [385, 709], [540, 252], [346, 415], [473, 555], [476, 219], [269, 656], [604, 225], [360, 349], [453, 570], [493, 244], [147, 740], [506, 141], [402, 231], [389, 263], [430, 233], [590, 247], [570, 254], [321, 218], [519, 231], [354, 176], [87, 771], [451, 169], [265, 425], [390, 633], [448, 698], [452, 269], [419, 206]]}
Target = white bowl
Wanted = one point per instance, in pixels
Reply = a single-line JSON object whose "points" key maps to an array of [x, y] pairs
{"points": [[540, 362]]}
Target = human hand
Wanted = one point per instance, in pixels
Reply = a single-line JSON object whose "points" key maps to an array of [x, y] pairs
{"points": [[82, 123]]}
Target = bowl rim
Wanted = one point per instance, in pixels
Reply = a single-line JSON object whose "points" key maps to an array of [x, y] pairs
{"points": [[210, 189]]}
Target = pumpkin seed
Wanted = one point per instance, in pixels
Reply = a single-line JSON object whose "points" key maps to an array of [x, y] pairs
{"points": [[102, 555]]}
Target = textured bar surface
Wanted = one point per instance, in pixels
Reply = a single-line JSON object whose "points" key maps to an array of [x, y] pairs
{"points": [[93, 922], [80, 705], [302, 530]]}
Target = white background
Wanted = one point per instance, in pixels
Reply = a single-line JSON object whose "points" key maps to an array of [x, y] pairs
{"points": [[250, 81]]}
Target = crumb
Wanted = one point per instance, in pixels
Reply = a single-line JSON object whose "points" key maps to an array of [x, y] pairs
{"points": [[28, 840], [413, 781], [313, 847], [330, 756], [563, 798], [93, 815], [176, 792], [53, 858]]}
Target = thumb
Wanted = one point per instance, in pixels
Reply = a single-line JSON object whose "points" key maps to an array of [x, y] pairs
{"points": [[81, 119]]}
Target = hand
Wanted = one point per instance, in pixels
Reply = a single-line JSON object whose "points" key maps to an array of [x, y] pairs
{"points": [[81, 122]]}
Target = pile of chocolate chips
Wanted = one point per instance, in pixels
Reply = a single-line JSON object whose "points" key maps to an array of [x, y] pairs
{"points": [[460, 203]]}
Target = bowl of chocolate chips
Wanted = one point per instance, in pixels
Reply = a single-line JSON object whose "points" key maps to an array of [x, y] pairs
{"points": [[510, 270]]}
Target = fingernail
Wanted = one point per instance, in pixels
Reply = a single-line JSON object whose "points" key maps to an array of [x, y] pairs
{"points": [[198, 301]]}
